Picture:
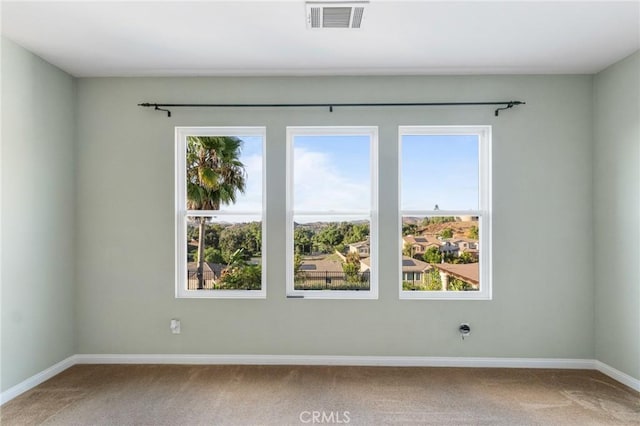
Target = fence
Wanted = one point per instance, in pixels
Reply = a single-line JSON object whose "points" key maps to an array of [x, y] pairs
{"points": [[209, 280], [325, 280]]}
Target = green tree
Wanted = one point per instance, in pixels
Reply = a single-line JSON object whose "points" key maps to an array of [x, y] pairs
{"points": [[465, 257], [356, 232], [232, 239], [409, 229], [247, 277], [442, 219], [473, 233], [215, 175], [297, 263], [254, 237], [351, 267], [446, 233], [459, 285], [432, 255], [328, 237], [434, 282], [213, 255], [302, 240], [239, 275]]}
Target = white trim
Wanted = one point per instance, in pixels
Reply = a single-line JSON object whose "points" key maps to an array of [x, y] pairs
{"points": [[617, 375], [436, 213], [483, 132], [372, 132], [381, 361], [36, 379], [181, 213]]}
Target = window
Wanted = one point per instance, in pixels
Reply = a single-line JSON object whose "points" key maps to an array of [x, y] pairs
{"points": [[332, 212], [445, 210], [219, 212]]}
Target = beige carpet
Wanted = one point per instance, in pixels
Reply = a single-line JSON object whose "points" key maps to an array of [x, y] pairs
{"points": [[280, 395]]}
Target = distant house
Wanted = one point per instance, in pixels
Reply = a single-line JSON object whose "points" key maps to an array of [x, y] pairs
{"points": [[211, 273], [363, 248], [448, 247], [467, 245], [413, 269], [421, 243]]}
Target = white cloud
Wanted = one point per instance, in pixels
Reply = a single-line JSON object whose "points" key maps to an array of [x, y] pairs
{"points": [[320, 185]]}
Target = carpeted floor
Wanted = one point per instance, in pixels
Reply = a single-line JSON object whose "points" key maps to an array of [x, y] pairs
{"points": [[281, 395]]}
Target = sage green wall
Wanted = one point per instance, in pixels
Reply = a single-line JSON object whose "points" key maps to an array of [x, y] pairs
{"points": [[543, 276], [37, 215], [617, 215]]}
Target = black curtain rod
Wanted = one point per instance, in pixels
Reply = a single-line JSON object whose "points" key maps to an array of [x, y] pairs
{"points": [[162, 107]]}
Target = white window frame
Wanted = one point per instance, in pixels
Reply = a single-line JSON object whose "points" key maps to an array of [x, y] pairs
{"points": [[181, 213], [372, 213], [483, 213]]}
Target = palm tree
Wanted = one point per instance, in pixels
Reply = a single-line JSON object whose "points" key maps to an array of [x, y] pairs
{"points": [[215, 175]]}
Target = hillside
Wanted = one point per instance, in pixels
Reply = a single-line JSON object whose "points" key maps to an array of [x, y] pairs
{"points": [[460, 229]]}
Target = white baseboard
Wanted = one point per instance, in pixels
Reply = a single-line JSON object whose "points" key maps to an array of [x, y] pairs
{"points": [[382, 361], [36, 379], [618, 375], [388, 361]]}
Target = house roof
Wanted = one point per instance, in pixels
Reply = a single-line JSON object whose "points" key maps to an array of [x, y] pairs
{"points": [[408, 264], [468, 272], [359, 244], [422, 240], [413, 265], [321, 265], [464, 240]]}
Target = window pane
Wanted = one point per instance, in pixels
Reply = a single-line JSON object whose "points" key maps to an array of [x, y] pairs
{"points": [[231, 253], [224, 173], [440, 171], [331, 253], [440, 253], [331, 173]]}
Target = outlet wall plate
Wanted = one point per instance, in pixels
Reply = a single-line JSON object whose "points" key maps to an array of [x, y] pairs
{"points": [[175, 326]]}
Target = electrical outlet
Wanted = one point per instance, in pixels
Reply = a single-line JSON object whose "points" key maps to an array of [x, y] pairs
{"points": [[175, 326]]}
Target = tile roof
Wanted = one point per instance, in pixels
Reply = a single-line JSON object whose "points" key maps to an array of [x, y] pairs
{"points": [[468, 272]]}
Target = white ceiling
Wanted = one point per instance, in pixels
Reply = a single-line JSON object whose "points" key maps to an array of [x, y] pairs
{"points": [[154, 38]]}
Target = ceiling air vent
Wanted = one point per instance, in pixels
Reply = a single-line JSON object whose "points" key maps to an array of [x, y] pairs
{"points": [[337, 14]]}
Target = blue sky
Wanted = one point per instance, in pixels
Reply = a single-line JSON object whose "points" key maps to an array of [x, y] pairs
{"points": [[440, 170], [333, 172], [251, 157]]}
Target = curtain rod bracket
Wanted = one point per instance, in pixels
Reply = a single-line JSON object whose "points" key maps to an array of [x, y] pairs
{"points": [[156, 107], [161, 109], [509, 105]]}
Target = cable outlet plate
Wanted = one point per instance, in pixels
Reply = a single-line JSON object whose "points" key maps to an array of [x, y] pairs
{"points": [[465, 330]]}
